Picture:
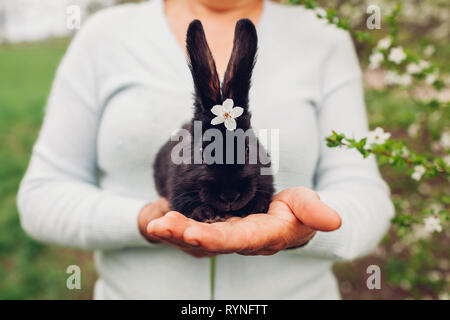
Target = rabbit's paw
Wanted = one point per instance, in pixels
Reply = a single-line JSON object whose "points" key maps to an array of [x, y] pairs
{"points": [[203, 213]]}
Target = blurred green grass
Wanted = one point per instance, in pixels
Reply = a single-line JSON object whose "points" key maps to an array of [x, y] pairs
{"points": [[29, 270]]}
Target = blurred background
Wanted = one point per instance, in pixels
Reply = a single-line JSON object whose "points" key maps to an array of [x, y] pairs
{"points": [[33, 39]]}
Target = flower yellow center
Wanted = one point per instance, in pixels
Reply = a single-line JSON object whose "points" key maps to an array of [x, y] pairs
{"points": [[226, 115]]}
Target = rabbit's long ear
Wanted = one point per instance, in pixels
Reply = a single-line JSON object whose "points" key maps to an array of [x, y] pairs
{"points": [[236, 83], [203, 68]]}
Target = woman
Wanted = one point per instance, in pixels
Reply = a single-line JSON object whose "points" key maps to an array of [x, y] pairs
{"points": [[124, 86]]}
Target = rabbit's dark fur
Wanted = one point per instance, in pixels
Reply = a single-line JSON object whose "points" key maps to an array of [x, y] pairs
{"points": [[208, 192]]}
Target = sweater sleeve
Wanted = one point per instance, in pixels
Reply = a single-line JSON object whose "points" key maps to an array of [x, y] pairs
{"points": [[349, 184], [58, 199]]}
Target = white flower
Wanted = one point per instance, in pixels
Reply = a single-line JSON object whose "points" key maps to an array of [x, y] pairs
{"points": [[397, 55], [413, 130], [405, 285], [405, 152], [432, 224], [443, 96], [413, 68], [447, 80], [434, 275], [419, 232], [393, 78], [429, 50], [447, 159], [431, 78], [377, 136], [418, 172], [384, 43], [226, 114], [375, 60], [424, 64], [445, 140], [405, 80]]}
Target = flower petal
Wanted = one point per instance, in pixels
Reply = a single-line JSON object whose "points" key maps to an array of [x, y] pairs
{"points": [[236, 112], [228, 105], [217, 120], [217, 110], [230, 124]]}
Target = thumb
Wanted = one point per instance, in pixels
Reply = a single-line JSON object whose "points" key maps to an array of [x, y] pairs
{"points": [[307, 207]]}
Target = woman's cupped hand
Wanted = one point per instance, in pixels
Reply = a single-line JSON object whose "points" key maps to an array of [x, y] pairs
{"points": [[292, 220]]}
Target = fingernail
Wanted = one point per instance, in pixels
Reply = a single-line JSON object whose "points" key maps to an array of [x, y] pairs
{"points": [[193, 242], [166, 234]]}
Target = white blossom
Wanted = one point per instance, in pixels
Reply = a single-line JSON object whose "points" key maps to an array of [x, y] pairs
{"points": [[447, 80], [419, 232], [424, 64], [429, 50], [375, 60], [405, 285], [432, 224], [447, 159], [443, 96], [377, 136], [435, 146], [384, 43], [445, 140], [413, 130], [226, 114], [434, 275], [405, 152], [397, 55], [431, 78], [413, 68], [405, 80], [393, 78], [418, 172]]}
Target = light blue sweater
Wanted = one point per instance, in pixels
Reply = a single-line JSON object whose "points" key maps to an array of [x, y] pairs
{"points": [[124, 86]]}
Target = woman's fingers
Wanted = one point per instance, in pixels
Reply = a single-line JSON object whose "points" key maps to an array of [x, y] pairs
{"points": [[307, 207], [292, 218], [250, 234], [172, 228]]}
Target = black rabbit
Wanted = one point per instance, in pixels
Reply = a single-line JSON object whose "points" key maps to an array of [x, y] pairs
{"points": [[206, 190]]}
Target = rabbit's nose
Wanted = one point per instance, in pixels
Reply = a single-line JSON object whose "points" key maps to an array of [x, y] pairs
{"points": [[230, 197]]}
